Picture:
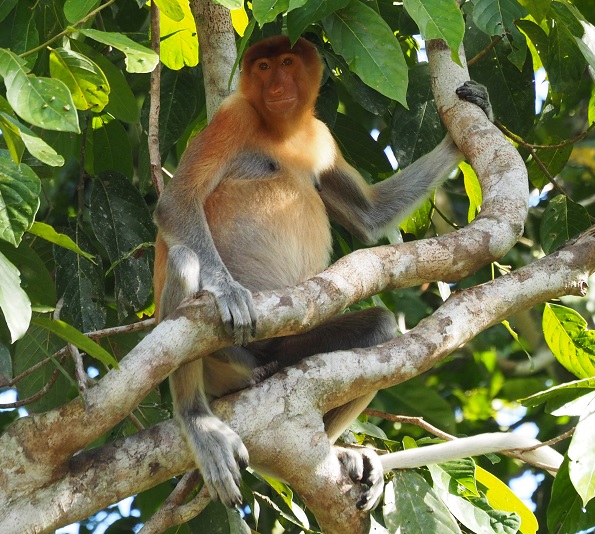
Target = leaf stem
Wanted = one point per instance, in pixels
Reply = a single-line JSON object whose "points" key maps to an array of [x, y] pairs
{"points": [[67, 30]]}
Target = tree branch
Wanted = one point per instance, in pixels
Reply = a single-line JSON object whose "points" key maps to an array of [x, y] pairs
{"points": [[288, 404]]}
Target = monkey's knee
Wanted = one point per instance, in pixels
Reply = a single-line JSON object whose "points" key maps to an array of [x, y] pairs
{"points": [[182, 280], [381, 324], [183, 264]]}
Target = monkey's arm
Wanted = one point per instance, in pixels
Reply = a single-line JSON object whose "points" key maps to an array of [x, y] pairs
{"points": [[184, 228], [370, 211]]}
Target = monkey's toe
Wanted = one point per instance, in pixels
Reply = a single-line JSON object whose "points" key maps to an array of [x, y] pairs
{"points": [[365, 469]]}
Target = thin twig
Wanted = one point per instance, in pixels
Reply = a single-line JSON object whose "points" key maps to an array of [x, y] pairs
{"points": [[478, 56], [98, 334], [79, 368], [531, 149], [124, 329], [67, 30], [38, 395]]}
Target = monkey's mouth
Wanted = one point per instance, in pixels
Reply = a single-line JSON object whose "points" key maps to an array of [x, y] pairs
{"points": [[281, 103]]}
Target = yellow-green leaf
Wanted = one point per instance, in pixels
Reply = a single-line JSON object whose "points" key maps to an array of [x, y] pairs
{"points": [[501, 497], [72, 335]]}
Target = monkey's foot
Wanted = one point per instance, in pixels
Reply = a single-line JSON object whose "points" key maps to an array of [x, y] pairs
{"points": [[220, 456], [365, 469]]}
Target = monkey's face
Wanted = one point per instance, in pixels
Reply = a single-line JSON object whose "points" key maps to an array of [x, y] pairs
{"points": [[278, 77]]}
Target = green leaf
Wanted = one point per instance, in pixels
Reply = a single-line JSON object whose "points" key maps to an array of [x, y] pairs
{"points": [[561, 394], [268, 10], [512, 93], [581, 453], [411, 505], [562, 219], [566, 334], [80, 285], [18, 32], [538, 9], [36, 279], [14, 302], [121, 221], [416, 131], [586, 51], [592, 107], [554, 160], [179, 44], [367, 429], [566, 512], [494, 17], [359, 147], [36, 146], [419, 222], [75, 10], [473, 190], [172, 9], [72, 335], [438, 19], [38, 345], [47, 232], [463, 472], [122, 102], [363, 94], [465, 511], [108, 147], [12, 138], [371, 50], [300, 17], [564, 62], [43, 102], [19, 199], [138, 58], [6, 7], [231, 4], [85, 80]]}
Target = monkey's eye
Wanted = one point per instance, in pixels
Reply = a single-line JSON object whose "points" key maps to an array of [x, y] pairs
{"points": [[287, 61], [263, 66]]}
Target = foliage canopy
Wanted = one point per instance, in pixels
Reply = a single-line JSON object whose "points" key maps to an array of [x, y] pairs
{"points": [[76, 232]]}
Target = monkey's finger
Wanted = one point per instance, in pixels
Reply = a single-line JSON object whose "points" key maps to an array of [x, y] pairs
{"points": [[244, 320]]}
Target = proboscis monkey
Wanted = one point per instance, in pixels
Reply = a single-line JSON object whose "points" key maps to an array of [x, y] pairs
{"points": [[247, 210]]}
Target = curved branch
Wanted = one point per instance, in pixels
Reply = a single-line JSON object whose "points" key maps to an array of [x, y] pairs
{"points": [[93, 479]]}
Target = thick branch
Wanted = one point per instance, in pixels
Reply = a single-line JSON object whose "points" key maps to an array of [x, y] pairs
{"points": [[41, 445], [218, 51], [289, 405]]}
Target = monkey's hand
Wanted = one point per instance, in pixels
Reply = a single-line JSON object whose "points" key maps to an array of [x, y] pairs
{"points": [[220, 455], [365, 469], [235, 306], [477, 94]]}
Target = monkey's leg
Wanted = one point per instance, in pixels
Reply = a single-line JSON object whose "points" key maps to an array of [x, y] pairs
{"points": [[218, 450], [361, 329], [182, 278]]}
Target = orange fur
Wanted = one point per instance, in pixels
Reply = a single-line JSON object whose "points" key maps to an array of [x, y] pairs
{"points": [[270, 232]]}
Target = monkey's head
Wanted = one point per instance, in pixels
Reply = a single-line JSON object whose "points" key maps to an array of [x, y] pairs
{"points": [[281, 81]]}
